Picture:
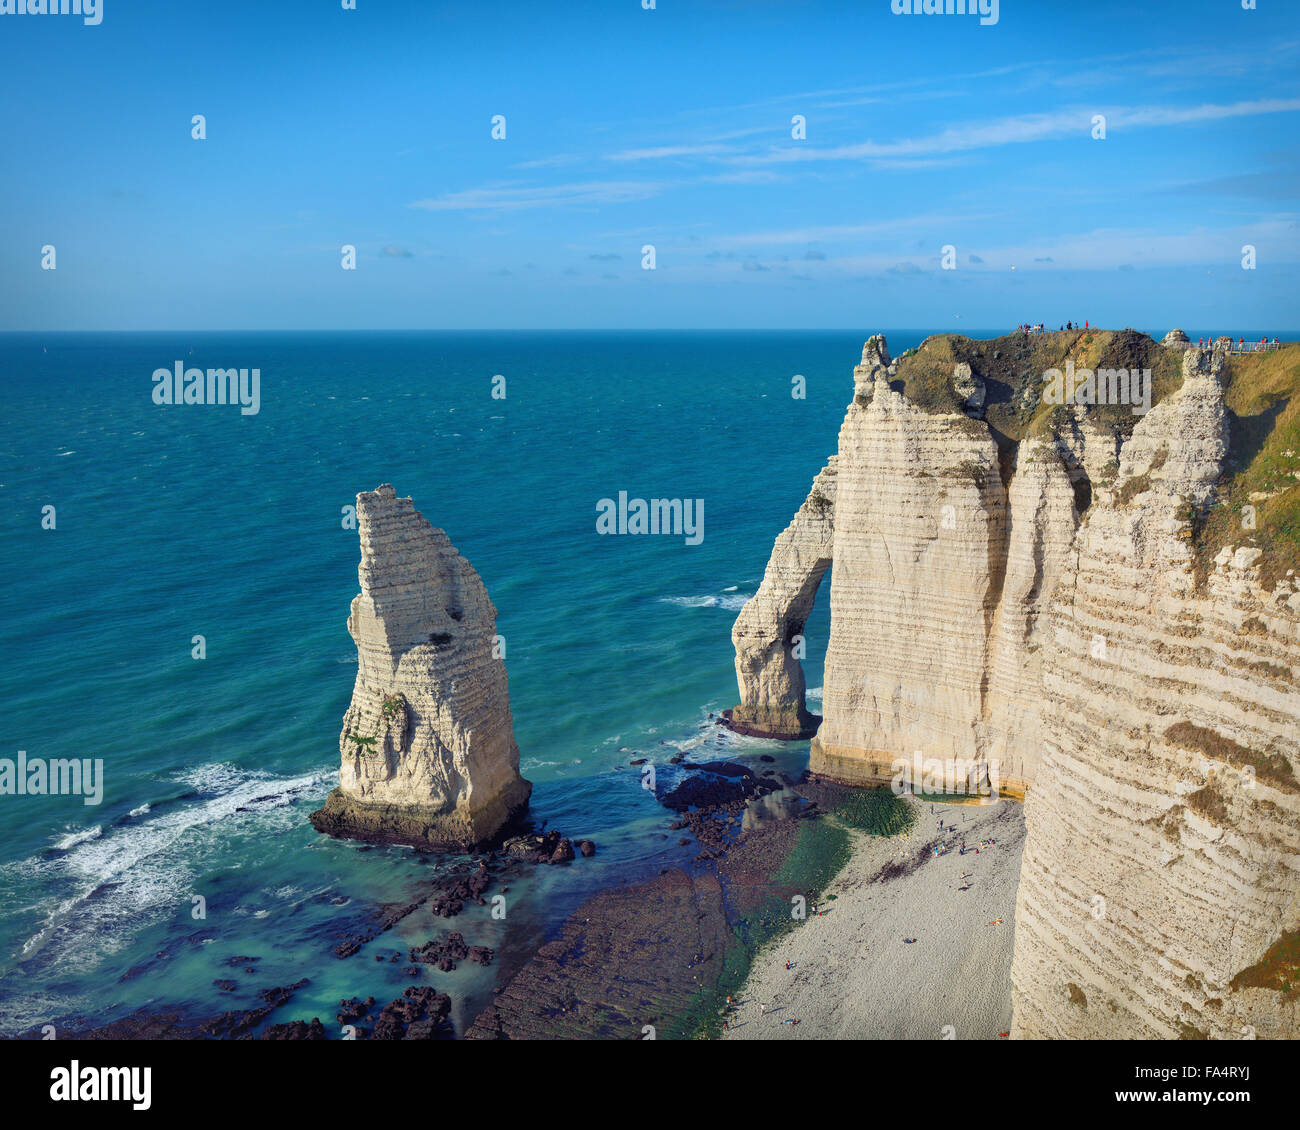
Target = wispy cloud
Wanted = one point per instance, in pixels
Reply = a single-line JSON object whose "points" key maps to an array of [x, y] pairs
{"points": [[553, 162], [662, 152], [513, 199], [1023, 128]]}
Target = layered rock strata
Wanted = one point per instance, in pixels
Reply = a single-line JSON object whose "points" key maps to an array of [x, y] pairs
{"points": [[1160, 887], [919, 552], [428, 750], [768, 633], [939, 575], [1030, 605]]}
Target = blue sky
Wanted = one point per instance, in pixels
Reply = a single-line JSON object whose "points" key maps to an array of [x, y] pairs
{"points": [[669, 127]]}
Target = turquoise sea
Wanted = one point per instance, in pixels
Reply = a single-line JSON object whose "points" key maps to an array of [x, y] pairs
{"points": [[177, 521]]}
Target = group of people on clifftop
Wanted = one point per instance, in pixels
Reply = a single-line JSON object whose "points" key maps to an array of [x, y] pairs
{"points": [[1028, 328], [1226, 339]]}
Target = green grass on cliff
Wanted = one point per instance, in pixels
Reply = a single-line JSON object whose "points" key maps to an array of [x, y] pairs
{"points": [[1278, 969], [1012, 368], [1263, 400]]}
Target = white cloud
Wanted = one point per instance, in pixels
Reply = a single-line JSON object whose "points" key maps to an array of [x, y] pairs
{"points": [[662, 152], [1023, 128], [507, 199]]}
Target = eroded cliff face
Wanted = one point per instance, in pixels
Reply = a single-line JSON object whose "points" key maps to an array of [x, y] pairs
{"points": [[428, 750], [919, 553], [1042, 513], [941, 572], [1160, 885], [768, 632], [1029, 602]]}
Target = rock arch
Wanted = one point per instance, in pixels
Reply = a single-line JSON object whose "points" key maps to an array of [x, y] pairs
{"points": [[768, 669]]}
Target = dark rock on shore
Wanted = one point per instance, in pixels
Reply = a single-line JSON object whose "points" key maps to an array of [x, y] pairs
{"points": [[808, 730], [465, 885], [140, 1025], [388, 917], [351, 1009], [631, 956], [277, 996], [237, 1024], [638, 954], [240, 1023], [444, 954], [420, 1013], [549, 847], [714, 783], [295, 1030]]}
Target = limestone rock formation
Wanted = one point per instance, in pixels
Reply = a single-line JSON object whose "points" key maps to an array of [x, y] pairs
{"points": [[920, 532], [1160, 886], [1042, 513], [1016, 599], [969, 387], [766, 633], [1176, 339], [428, 750]]}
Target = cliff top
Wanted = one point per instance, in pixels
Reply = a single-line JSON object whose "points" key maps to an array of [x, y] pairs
{"points": [[1012, 369], [1262, 397]]}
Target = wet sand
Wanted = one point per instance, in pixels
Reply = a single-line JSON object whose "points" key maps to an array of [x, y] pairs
{"points": [[853, 976]]}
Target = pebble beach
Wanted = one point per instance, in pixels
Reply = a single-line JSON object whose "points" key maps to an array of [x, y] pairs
{"points": [[852, 975]]}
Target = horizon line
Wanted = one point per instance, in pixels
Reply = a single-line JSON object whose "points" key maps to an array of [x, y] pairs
{"points": [[590, 329]]}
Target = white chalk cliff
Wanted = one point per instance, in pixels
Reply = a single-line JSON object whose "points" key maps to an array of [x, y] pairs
{"points": [[768, 631], [1025, 610], [428, 750], [1160, 886]]}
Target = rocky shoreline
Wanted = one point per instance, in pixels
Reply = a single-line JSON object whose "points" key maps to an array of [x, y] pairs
{"points": [[656, 960], [638, 959]]}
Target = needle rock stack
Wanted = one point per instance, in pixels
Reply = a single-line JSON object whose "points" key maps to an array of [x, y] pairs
{"points": [[428, 749]]}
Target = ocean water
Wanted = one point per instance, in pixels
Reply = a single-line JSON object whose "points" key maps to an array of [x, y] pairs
{"points": [[177, 521]]}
